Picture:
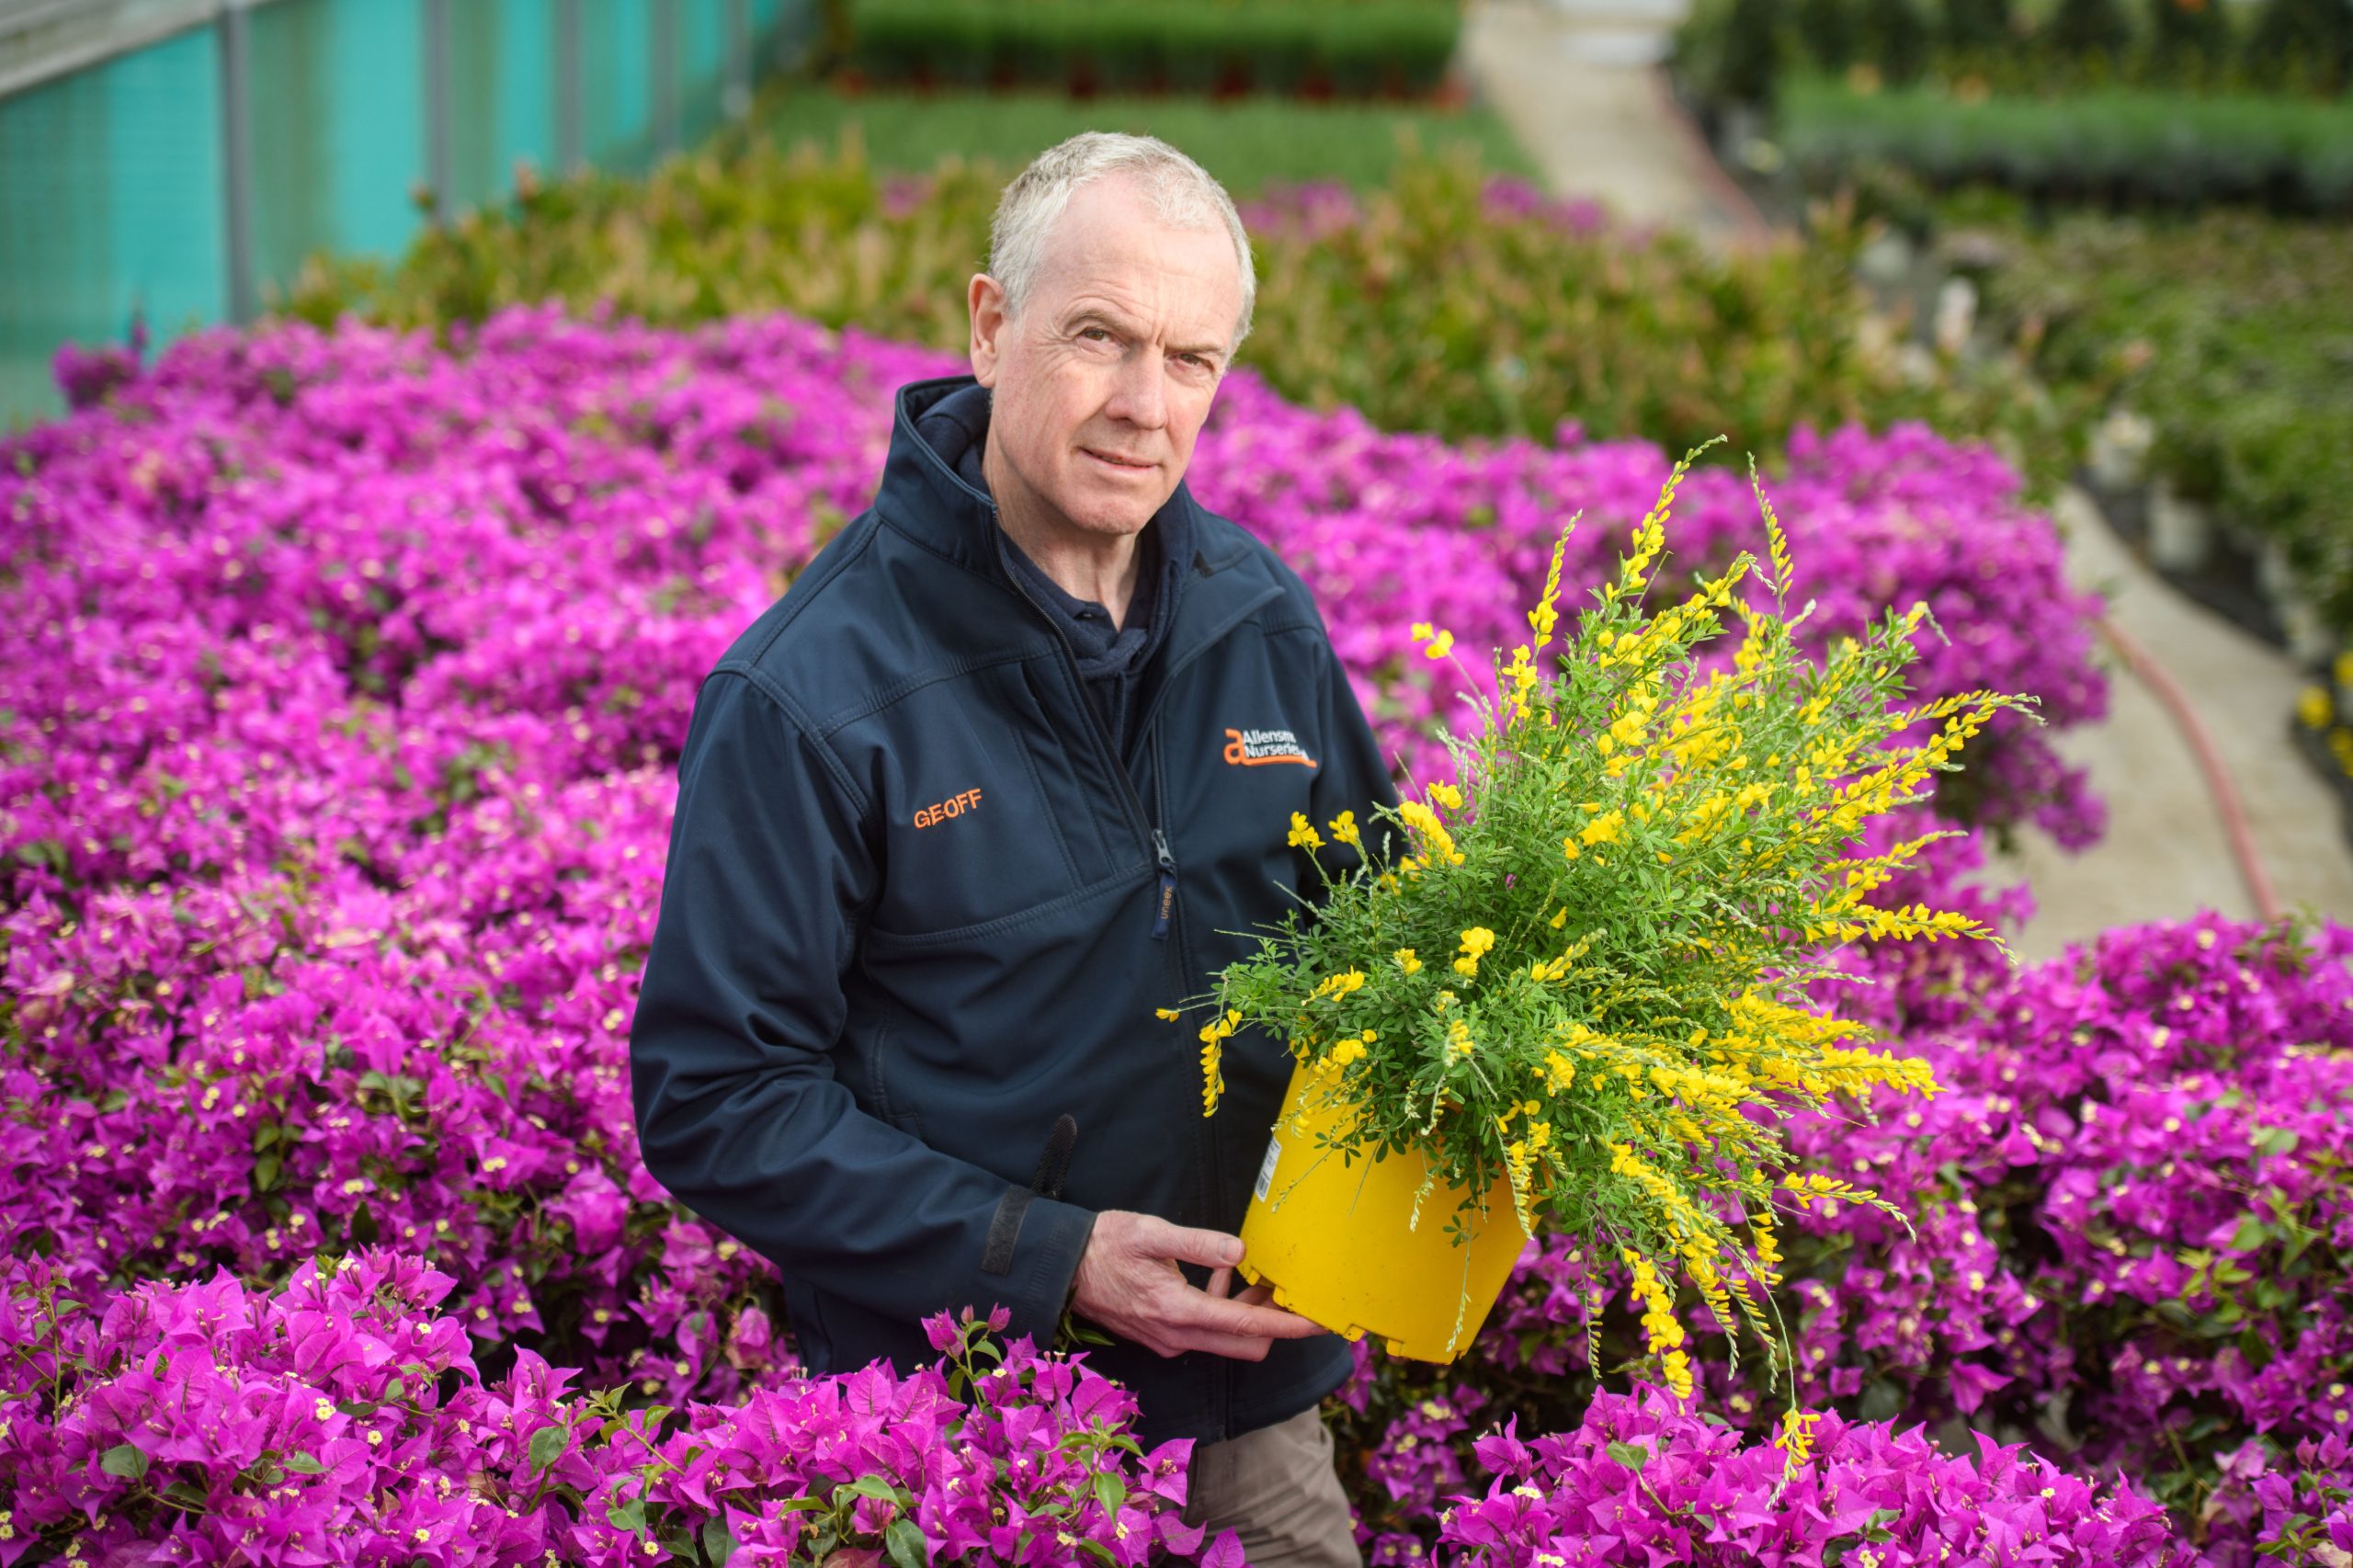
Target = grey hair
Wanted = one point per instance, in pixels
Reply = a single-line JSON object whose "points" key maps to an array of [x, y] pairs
{"points": [[1178, 191]]}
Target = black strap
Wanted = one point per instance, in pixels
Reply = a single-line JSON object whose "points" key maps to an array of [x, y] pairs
{"points": [[1053, 1164], [1053, 1169]]}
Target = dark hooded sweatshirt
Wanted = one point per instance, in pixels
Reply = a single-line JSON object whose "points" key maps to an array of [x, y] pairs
{"points": [[918, 906]]}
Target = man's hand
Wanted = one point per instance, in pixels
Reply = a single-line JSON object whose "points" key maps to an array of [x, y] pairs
{"points": [[1128, 1282]]}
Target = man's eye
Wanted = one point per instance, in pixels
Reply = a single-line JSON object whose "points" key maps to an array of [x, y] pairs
{"points": [[1084, 331]]}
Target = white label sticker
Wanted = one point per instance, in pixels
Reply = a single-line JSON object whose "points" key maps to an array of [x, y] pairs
{"points": [[1266, 1170]]}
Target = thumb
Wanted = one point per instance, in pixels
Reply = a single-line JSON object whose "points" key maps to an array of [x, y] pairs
{"points": [[1212, 1249]]}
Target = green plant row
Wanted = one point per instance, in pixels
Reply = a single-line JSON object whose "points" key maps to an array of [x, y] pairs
{"points": [[1741, 50], [2120, 146], [1450, 305], [1351, 48], [2231, 333]]}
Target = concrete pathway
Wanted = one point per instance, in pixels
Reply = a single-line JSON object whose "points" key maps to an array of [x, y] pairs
{"points": [[1578, 80], [2166, 854]]}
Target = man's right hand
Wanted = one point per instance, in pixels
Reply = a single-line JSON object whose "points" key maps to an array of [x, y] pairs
{"points": [[1128, 1282]]}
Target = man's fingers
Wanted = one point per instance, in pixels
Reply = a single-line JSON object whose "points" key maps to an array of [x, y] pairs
{"points": [[1221, 1283], [1211, 1249], [1257, 1296], [1238, 1347], [1246, 1321]]}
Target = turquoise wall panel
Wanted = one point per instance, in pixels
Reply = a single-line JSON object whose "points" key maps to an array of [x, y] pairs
{"points": [[110, 208], [112, 187]]}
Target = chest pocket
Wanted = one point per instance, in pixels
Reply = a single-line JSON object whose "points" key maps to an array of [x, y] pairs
{"points": [[986, 815]]}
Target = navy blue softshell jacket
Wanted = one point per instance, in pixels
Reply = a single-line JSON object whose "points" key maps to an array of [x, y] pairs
{"points": [[915, 911]]}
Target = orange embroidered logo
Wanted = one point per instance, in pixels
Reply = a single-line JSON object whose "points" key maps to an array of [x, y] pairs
{"points": [[954, 806], [1256, 748]]}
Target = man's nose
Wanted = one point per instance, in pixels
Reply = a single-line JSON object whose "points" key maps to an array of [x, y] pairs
{"points": [[1141, 397]]}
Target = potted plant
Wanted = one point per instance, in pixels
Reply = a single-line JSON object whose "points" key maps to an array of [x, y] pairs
{"points": [[1577, 993]]}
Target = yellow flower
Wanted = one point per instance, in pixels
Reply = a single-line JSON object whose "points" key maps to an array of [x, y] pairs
{"points": [[1607, 828], [1447, 795], [1569, 847], [1796, 1437], [1440, 646], [1344, 829], [1407, 960], [1347, 1051], [1561, 918], [1477, 941], [1458, 1038], [2314, 707], [1212, 1058], [1165, 1015]]}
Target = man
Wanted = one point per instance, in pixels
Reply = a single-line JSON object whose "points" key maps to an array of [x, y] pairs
{"points": [[1003, 774]]}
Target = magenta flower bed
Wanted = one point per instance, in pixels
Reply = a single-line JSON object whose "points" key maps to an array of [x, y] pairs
{"points": [[342, 1419], [335, 780], [2131, 1235]]}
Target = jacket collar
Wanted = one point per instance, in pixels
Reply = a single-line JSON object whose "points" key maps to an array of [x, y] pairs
{"points": [[928, 500]]}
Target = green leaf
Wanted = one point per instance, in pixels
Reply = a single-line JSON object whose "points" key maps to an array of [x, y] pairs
{"points": [[872, 1487], [125, 1460], [1110, 1491], [629, 1515], [1633, 1456], [2278, 1141], [547, 1445], [304, 1463], [718, 1542], [904, 1545]]}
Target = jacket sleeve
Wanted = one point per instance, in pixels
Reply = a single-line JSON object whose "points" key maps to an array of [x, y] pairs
{"points": [[739, 1113]]}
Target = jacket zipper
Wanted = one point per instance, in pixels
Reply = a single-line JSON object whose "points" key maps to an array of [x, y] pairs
{"points": [[1163, 906]]}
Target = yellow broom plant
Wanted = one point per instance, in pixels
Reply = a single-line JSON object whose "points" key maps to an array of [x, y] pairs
{"points": [[1585, 968]]}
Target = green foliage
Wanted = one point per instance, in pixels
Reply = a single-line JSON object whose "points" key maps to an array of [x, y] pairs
{"points": [[2233, 333], [1892, 38], [1350, 47], [2033, 48], [2116, 145], [2303, 46], [1752, 51], [2089, 30], [1246, 143], [1979, 25], [1826, 31]]}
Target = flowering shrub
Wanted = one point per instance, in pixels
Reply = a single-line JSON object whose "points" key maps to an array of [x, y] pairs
{"points": [[341, 1418], [1650, 845], [1642, 1479], [2130, 1230], [335, 771]]}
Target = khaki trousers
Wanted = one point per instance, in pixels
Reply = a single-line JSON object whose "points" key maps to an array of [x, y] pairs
{"points": [[1280, 1489]]}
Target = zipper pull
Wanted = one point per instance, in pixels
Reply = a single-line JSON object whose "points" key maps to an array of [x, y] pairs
{"points": [[1167, 901]]}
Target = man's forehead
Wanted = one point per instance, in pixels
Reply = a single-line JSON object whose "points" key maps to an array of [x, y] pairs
{"points": [[1116, 258]]}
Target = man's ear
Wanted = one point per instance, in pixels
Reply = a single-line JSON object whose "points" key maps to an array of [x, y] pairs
{"points": [[985, 300]]}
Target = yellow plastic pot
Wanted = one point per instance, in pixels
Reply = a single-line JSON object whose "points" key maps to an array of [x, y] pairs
{"points": [[1337, 1243]]}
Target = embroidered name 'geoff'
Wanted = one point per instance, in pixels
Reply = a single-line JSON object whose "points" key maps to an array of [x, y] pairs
{"points": [[954, 806], [1256, 748]]}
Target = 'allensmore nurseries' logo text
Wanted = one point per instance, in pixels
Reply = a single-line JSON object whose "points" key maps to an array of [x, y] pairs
{"points": [[1256, 748]]}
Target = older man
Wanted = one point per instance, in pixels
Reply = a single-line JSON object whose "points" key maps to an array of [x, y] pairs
{"points": [[1001, 777]]}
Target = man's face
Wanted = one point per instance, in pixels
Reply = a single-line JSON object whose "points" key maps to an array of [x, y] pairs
{"points": [[1099, 388]]}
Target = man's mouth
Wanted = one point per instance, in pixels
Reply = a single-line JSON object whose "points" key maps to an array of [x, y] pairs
{"points": [[1117, 464]]}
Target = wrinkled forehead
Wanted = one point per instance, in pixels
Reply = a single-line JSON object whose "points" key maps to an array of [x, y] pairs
{"points": [[1108, 249]]}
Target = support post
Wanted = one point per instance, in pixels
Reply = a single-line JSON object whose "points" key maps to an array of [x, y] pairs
{"points": [[437, 106], [737, 99], [236, 159], [570, 133], [662, 62]]}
